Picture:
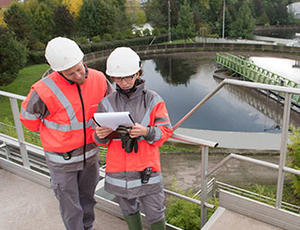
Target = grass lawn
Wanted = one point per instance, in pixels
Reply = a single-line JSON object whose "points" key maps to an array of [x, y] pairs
{"points": [[21, 85]]}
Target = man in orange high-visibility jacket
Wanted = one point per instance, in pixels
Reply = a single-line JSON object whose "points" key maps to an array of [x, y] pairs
{"points": [[60, 107], [133, 158]]}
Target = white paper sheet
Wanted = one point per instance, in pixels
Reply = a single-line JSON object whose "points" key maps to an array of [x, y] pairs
{"points": [[113, 120]]}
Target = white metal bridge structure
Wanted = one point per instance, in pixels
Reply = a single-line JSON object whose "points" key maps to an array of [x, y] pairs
{"points": [[235, 211]]}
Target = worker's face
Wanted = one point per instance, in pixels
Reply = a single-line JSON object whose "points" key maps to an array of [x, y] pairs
{"points": [[75, 73], [126, 82]]}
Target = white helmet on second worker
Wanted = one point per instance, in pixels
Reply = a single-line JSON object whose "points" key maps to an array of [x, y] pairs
{"points": [[63, 53], [122, 62]]}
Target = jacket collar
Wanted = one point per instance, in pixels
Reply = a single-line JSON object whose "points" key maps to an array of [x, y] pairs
{"points": [[139, 89]]}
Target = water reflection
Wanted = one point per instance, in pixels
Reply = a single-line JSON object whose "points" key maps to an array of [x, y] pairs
{"points": [[184, 79], [176, 71], [269, 107]]}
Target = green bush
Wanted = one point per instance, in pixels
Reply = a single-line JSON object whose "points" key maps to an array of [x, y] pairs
{"points": [[13, 56], [36, 57], [38, 45], [146, 32], [118, 36], [294, 154], [185, 214], [81, 40], [96, 38], [107, 37], [124, 42]]}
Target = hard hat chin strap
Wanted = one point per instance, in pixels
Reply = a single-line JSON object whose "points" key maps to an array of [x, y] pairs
{"points": [[131, 90], [86, 73]]}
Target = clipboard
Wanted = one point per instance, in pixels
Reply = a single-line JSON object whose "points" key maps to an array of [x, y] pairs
{"points": [[113, 119]]}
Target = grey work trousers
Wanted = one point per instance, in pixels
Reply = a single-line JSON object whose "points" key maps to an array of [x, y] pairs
{"points": [[75, 193], [153, 206]]}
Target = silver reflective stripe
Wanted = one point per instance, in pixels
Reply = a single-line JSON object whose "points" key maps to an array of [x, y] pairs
{"points": [[62, 98], [66, 128], [59, 159], [75, 125], [146, 119], [116, 182], [132, 183], [28, 116], [166, 124], [107, 106]]}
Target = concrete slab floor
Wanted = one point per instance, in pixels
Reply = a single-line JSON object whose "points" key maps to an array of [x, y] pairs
{"points": [[25, 205], [229, 220]]}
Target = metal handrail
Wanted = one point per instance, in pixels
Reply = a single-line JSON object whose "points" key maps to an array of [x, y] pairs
{"points": [[203, 143]]}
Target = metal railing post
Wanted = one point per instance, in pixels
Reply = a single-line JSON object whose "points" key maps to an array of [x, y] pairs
{"points": [[20, 133], [204, 159], [283, 148]]}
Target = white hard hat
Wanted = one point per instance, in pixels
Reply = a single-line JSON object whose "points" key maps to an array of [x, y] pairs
{"points": [[63, 53], [122, 62]]}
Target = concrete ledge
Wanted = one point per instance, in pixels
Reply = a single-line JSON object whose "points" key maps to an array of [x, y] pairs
{"points": [[259, 211]]}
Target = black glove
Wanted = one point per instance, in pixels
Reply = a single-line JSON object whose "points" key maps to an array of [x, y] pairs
{"points": [[127, 143]]}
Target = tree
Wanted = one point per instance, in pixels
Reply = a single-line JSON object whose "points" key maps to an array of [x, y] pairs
{"points": [[243, 24], [134, 11], [2, 22], [13, 56], [42, 17], [154, 14], [73, 6], [96, 17], [215, 16], [18, 21], [122, 22], [64, 22], [186, 26]]}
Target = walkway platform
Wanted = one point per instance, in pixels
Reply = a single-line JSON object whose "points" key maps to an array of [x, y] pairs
{"points": [[252, 141], [237, 212], [26, 205]]}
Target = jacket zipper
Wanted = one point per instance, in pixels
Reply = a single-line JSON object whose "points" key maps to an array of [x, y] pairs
{"points": [[84, 125]]}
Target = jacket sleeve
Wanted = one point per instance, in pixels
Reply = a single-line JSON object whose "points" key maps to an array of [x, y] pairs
{"points": [[33, 110], [97, 140], [162, 128], [109, 88]]}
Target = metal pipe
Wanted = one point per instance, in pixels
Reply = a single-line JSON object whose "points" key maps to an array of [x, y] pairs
{"points": [[12, 95], [283, 148], [198, 105], [255, 161], [194, 140], [20, 132], [264, 163], [220, 164], [262, 86], [188, 198]]}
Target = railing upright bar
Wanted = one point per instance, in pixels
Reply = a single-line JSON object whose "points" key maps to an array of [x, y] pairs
{"points": [[283, 148], [204, 159], [20, 132]]}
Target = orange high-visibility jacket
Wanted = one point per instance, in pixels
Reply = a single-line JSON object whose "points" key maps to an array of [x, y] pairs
{"points": [[61, 130], [147, 108]]}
